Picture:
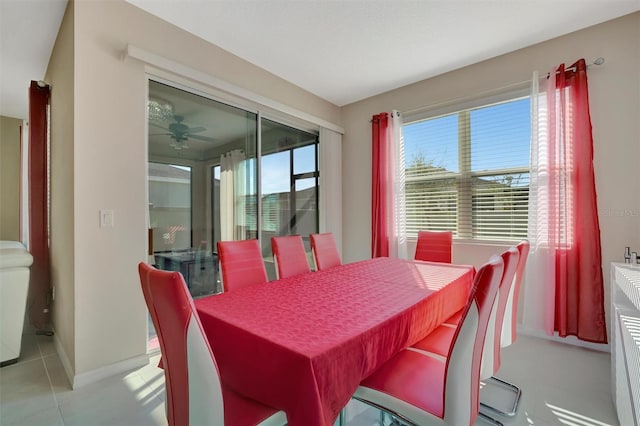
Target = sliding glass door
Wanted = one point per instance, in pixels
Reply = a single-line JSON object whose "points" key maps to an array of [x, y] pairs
{"points": [[218, 173], [190, 207], [289, 183]]}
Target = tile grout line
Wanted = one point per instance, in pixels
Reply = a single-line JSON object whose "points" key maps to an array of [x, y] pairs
{"points": [[46, 370]]}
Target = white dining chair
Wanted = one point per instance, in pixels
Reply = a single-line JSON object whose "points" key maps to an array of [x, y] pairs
{"points": [[325, 251], [289, 256], [194, 393], [427, 390], [241, 264]]}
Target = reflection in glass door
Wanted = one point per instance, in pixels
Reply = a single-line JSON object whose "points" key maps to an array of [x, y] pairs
{"points": [[289, 185], [170, 206], [169, 218], [188, 135]]}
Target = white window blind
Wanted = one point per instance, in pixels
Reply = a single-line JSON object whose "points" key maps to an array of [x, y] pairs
{"points": [[468, 171]]}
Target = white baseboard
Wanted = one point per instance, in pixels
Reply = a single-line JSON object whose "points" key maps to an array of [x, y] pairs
{"points": [[83, 379], [98, 374], [64, 359], [569, 340]]}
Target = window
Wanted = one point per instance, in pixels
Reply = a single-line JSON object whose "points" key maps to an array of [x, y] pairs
{"points": [[467, 170]]}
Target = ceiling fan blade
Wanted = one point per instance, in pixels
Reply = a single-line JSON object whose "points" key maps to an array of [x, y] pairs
{"points": [[200, 138], [179, 130], [157, 125]]}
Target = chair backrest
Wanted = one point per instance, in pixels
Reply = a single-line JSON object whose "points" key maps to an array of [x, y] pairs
{"points": [[462, 375], [241, 264], [192, 381], [434, 246], [511, 314], [325, 251], [289, 256], [491, 356]]}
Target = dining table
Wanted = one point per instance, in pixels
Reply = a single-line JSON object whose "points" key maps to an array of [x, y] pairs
{"points": [[303, 344]]}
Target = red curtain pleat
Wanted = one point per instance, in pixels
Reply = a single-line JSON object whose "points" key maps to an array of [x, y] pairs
{"points": [[379, 183], [579, 309], [39, 282]]}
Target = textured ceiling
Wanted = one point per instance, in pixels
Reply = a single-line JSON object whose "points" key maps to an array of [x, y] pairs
{"points": [[342, 51]]}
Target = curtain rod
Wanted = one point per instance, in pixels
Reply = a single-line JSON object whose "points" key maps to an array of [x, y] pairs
{"points": [[598, 61], [389, 114], [512, 86]]}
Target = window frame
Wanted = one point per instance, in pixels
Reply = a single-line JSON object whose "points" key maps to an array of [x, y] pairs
{"points": [[464, 176]]}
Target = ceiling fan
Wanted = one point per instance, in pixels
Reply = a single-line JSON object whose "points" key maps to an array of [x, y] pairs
{"points": [[180, 133]]}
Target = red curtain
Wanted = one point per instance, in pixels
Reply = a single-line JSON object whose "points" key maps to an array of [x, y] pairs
{"points": [[579, 290], [379, 185], [40, 282]]}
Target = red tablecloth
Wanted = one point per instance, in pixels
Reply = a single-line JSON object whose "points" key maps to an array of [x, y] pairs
{"points": [[303, 344]]}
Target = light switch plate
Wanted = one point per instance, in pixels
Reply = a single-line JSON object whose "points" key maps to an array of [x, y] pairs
{"points": [[106, 219]]}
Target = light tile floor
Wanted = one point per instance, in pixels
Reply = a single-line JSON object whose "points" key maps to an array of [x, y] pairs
{"points": [[562, 385]]}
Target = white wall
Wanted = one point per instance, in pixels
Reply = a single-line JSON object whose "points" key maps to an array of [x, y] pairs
{"points": [[60, 73], [101, 315], [108, 160], [10, 178], [615, 114]]}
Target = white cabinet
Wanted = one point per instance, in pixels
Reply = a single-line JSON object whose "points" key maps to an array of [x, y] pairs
{"points": [[625, 341]]}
